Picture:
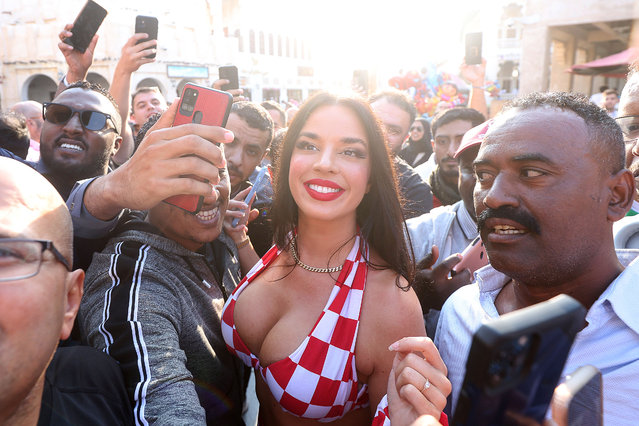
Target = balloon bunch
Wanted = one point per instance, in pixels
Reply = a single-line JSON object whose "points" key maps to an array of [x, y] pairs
{"points": [[431, 88]]}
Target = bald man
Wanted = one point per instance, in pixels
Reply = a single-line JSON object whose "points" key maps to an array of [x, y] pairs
{"points": [[32, 112], [39, 299]]}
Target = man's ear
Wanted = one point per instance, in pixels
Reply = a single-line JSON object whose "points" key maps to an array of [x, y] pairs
{"points": [[73, 296], [622, 191], [116, 145], [432, 144]]}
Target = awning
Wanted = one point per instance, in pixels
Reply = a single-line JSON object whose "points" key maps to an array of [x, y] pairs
{"points": [[613, 65]]}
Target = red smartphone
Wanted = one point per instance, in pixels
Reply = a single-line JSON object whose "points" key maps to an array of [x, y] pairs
{"points": [[201, 105], [86, 25], [149, 25], [473, 257]]}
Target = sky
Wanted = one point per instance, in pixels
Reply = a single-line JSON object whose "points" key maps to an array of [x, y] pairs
{"points": [[381, 35]]}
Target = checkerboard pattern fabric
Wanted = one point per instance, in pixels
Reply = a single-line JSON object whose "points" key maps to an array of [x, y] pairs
{"points": [[382, 416], [319, 379]]}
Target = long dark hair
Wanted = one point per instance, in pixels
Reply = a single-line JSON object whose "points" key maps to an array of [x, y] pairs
{"points": [[379, 215]]}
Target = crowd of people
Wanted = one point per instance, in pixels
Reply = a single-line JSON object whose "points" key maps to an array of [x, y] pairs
{"points": [[336, 285]]}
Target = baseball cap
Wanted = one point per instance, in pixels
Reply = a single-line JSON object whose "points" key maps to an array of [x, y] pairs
{"points": [[473, 137]]}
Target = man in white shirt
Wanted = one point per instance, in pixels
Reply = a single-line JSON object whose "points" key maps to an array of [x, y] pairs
{"points": [[449, 228], [550, 183]]}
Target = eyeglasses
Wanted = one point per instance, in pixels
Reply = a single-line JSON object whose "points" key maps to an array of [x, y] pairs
{"points": [[91, 120], [629, 127], [21, 258]]}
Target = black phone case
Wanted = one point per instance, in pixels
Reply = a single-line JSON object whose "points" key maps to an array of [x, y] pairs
{"points": [[86, 25], [473, 48], [149, 25], [229, 73], [515, 362]]}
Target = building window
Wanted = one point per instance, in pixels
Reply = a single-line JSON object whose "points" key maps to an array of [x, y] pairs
{"points": [[240, 41], [288, 47], [262, 42], [295, 48], [252, 41], [271, 45]]}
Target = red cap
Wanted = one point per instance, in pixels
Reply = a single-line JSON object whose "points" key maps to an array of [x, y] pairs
{"points": [[473, 137]]}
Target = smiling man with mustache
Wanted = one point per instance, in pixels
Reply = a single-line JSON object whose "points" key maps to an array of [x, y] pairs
{"points": [[80, 134], [550, 184]]}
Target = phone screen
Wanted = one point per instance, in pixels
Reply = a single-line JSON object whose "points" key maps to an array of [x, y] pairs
{"points": [[86, 25], [149, 25], [473, 48]]}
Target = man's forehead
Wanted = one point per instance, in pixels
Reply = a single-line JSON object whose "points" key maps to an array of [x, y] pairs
{"points": [[629, 101], [85, 98], [533, 128], [245, 133], [390, 113], [454, 128], [145, 96]]}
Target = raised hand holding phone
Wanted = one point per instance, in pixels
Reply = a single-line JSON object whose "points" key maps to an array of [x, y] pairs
{"points": [[261, 179], [199, 105]]}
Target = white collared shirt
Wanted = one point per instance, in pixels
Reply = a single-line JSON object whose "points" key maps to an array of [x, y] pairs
{"points": [[610, 342]]}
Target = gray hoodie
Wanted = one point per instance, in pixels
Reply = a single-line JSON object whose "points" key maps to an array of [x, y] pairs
{"points": [[156, 307]]}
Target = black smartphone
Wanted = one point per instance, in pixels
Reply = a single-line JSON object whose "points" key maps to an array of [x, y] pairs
{"points": [[515, 362], [473, 48], [149, 25], [579, 401], [86, 25], [201, 105], [229, 73]]}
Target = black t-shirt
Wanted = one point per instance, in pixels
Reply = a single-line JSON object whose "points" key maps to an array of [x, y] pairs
{"points": [[84, 386]]}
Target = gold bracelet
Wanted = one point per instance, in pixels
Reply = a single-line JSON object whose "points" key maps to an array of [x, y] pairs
{"points": [[243, 243]]}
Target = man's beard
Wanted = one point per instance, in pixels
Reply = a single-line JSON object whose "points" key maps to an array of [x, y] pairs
{"points": [[92, 167]]}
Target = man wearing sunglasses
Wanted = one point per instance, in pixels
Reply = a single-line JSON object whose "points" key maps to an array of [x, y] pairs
{"points": [[80, 134], [627, 229], [39, 299]]}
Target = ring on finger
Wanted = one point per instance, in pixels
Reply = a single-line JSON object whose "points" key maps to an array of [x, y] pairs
{"points": [[426, 385]]}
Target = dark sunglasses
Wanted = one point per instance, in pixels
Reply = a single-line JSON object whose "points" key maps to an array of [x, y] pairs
{"points": [[91, 120]]}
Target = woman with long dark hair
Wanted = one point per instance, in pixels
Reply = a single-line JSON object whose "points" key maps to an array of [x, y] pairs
{"points": [[417, 148], [316, 315]]}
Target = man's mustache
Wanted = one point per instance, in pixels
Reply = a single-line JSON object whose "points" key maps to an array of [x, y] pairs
{"points": [[511, 213]]}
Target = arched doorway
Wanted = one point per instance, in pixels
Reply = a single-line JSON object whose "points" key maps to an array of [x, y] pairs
{"points": [[151, 82], [98, 79], [181, 85], [40, 88]]}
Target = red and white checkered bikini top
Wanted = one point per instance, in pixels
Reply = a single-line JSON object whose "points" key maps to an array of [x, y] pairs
{"points": [[319, 380]]}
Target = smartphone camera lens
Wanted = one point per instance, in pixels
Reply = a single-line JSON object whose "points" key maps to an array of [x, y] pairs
{"points": [[188, 102]]}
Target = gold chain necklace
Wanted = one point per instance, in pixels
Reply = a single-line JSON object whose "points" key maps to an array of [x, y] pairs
{"points": [[307, 267]]}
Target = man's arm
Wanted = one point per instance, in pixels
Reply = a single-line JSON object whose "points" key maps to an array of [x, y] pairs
{"points": [[161, 167], [78, 62], [475, 75], [133, 57]]}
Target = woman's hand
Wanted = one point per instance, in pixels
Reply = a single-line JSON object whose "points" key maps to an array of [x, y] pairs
{"points": [[417, 385]]}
